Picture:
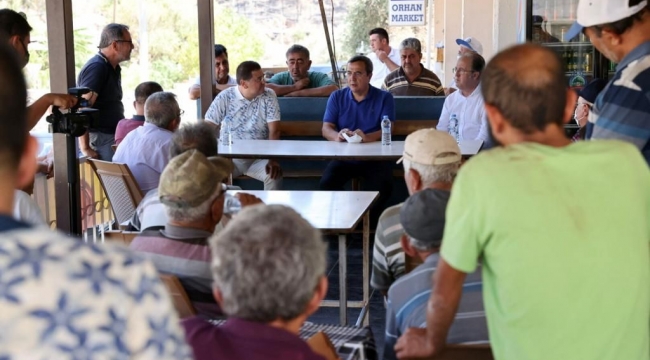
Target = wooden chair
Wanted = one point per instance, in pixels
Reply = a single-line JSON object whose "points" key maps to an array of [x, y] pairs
{"points": [[182, 302], [120, 187], [467, 352]]}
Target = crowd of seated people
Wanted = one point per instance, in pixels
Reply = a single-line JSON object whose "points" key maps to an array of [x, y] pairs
{"points": [[528, 251]]}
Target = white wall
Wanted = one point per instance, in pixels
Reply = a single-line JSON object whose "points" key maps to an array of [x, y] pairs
{"points": [[495, 23]]}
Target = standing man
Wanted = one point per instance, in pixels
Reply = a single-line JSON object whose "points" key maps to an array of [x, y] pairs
{"points": [[536, 215], [15, 29], [412, 79], [358, 109], [384, 58], [253, 113], [221, 70], [299, 81], [102, 74], [465, 46], [463, 113], [620, 30]]}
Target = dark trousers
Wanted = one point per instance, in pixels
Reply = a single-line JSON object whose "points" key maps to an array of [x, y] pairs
{"points": [[374, 175]]}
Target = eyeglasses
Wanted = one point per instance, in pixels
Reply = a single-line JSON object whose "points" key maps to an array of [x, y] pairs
{"points": [[455, 70], [355, 74], [180, 113], [124, 41]]}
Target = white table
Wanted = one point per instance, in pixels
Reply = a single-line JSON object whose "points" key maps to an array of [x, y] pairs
{"points": [[333, 212], [325, 150]]}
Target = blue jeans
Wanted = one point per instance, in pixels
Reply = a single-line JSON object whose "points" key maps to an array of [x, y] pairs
{"points": [[102, 143]]}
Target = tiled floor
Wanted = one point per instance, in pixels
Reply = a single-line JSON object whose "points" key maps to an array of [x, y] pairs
{"points": [[355, 267]]}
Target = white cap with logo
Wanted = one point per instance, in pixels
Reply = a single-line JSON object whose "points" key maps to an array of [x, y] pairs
{"points": [[472, 44], [598, 12], [431, 147]]}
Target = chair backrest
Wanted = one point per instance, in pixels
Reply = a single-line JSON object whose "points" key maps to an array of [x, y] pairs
{"points": [[467, 352], [120, 187], [182, 302]]}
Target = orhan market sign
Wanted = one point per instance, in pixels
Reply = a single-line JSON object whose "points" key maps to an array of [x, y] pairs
{"points": [[405, 12]]}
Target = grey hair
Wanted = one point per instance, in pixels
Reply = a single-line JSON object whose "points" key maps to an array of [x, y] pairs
{"points": [[411, 43], [433, 173], [161, 108], [267, 263], [185, 215], [420, 245], [110, 33]]}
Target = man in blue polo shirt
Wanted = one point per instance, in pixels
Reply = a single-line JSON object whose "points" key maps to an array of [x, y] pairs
{"points": [[103, 75], [621, 31], [358, 109]]}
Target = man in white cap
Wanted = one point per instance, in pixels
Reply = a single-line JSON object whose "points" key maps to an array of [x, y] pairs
{"points": [[465, 46], [620, 30], [431, 161]]}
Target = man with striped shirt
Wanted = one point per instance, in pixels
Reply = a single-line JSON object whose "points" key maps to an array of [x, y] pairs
{"points": [[412, 79], [423, 219], [620, 30], [431, 160]]}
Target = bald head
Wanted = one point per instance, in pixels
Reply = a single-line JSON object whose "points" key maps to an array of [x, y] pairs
{"points": [[526, 84]]}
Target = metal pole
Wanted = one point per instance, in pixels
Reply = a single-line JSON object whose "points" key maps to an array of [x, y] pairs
{"points": [[429, 25], [335, 70]]}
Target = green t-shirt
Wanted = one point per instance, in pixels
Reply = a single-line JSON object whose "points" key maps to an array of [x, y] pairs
{"points": [[316, 79], [564, 238]]}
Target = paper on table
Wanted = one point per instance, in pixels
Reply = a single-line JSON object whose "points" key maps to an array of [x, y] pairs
{"points": [[352, 139]]}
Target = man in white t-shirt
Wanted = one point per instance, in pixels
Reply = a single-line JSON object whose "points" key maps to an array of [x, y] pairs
{"points": [[221, 69], [463, 114], [465, 46], [384, 58], [253, 113]]}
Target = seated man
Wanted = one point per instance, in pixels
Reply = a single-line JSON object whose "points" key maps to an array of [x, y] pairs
{"points": [[536, 213], [194, 203], [299, 81], [431, 161], [61, 298], [423, 218], [146, 149], [358, 109], [463, 114], [253, 113], [465, 46], [411, 78], [266, 301], [150, 213], [142, 93], [221, 69]]}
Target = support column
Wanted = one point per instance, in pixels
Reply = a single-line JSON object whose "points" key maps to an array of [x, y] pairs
{"points": [[206, 52]]}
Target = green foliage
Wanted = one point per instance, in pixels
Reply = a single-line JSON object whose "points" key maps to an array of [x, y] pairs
{"points": [[237, 34], [363, 16]]}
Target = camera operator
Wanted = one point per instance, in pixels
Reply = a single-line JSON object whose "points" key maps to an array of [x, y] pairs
{"points": [[15, 29], [102, 75]]}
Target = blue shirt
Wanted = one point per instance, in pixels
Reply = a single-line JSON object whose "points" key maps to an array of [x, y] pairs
{"points": [[622, 110], [99, 76], [345, 112]]}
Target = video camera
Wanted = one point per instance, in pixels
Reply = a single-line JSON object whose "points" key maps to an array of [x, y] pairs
{"points": [[76, 120]]}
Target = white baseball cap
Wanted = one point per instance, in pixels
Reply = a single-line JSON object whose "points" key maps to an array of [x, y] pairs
{"points": [[430, 147], [597, 12], [472, 44]]}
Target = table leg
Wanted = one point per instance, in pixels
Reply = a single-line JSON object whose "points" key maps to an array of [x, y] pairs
{"points": [[366, 265], [343, 279]]}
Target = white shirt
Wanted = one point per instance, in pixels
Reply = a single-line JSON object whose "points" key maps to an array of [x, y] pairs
{"points": [[249, 119], [26, 210], [379, 69], [470, 111]]}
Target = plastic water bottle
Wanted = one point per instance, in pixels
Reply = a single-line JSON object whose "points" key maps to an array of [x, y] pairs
{"points": [[453, 127], [226, 133], [231, 205], [385, 130]]}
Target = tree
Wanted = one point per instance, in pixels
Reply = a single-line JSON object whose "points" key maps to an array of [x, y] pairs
{"points": [[363, 16]]}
